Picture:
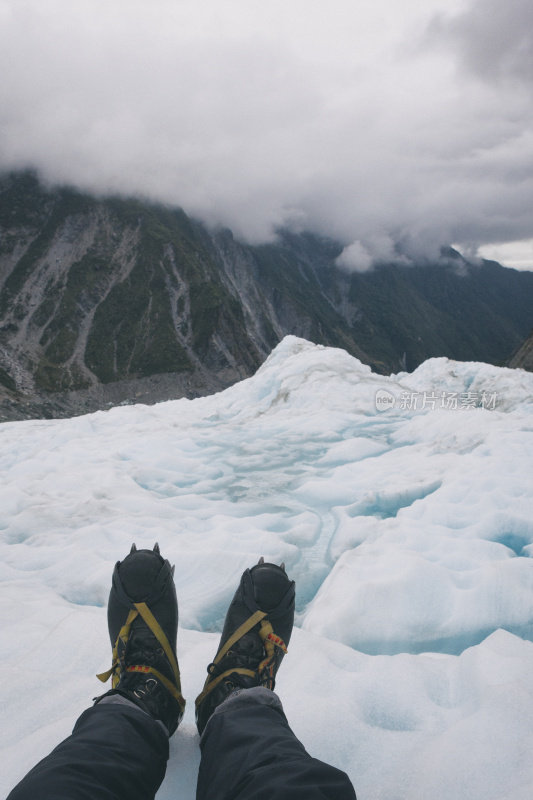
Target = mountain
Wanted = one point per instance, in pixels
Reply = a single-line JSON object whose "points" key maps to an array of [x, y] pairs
{"points": [[523, 358], [110, 300]]}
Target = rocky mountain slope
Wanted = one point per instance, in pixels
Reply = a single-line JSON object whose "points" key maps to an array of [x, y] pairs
{"points": [[109, 300], [523, 358]]}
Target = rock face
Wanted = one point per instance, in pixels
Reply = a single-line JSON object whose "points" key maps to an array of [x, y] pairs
{"points": [[113, 300], [523, 358], [99, 296]]}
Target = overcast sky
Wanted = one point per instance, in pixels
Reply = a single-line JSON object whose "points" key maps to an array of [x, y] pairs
{"points": [[396, 126]]}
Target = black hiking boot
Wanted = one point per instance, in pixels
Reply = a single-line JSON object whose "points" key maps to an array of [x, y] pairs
{"points": [[142, 616], [257, 630]]}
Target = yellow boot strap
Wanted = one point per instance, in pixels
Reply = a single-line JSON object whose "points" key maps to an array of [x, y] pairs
{"points": [[270, 642], [239, 633], [141, 609], [122, 638], [211, 683]]}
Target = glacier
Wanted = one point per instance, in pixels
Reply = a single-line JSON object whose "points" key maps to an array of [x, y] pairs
{"points": [[407, 524]]}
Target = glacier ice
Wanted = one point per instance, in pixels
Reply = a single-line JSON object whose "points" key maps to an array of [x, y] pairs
{"points": [[408, 530]]}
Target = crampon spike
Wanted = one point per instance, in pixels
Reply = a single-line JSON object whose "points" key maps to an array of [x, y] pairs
{"points": [[261, 560], [172, 568], [133, 548], [282, 566], [156, 548]]}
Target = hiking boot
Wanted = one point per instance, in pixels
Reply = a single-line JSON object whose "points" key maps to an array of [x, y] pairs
{"points": [[142, 616], [257, 630]]}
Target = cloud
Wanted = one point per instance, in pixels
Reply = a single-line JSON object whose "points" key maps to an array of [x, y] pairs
{"points": [[355, 258], [385, 125], [494, 40], [360, 256]]}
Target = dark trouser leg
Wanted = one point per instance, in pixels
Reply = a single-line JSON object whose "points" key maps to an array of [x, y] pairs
{"points": [[250, 753], [115, 752]]}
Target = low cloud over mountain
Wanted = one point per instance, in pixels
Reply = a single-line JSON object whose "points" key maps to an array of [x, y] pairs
{"points": [[395, 128]]}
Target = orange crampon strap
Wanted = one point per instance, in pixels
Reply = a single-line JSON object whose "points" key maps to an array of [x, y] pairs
{"points": [[270, 642], [118, 666], [277, 640]]}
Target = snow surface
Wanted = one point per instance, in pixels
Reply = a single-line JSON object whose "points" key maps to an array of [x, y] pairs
{"points": [[409, 532]]}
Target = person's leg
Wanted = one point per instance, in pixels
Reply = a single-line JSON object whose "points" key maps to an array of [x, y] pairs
{"points": [[116, 752], [249, 752], [248, 749], [119, 748]]}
